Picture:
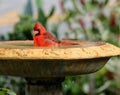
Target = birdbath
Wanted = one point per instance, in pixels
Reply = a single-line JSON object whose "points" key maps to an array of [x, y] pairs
{"points": [[45, 68]]}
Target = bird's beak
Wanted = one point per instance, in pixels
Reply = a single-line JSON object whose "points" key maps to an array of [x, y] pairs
{"points": [[35, 32]]}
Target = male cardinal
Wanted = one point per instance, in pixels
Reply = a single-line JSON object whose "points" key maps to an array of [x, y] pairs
{"points": [[43, 38]]}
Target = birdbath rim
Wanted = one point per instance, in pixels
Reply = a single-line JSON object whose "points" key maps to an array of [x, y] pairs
{"points": [[84, 50]]}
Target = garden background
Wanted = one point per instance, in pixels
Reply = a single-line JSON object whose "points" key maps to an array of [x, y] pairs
{"points": [[94, 20]]}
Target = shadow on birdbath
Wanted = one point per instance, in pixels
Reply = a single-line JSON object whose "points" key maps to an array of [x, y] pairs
{"points": [[45, 68]]}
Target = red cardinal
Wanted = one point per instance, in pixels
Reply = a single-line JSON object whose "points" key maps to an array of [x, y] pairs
{"points": [[46, 39]]}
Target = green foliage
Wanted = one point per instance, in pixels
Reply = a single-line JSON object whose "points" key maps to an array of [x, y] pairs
{"points": [[5, 91], [54, 30], [28, 9], [42, 17], [73, 85], [106, 1], [23, 29], [13, 83], [100, 78], [79, 85], [39, 3], [2, 38], [103, 25]]}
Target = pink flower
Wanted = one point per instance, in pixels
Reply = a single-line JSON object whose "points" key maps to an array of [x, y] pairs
{"points": [[62, 5], [118, 36], [109, 75], [81, 22], [82, 2]]}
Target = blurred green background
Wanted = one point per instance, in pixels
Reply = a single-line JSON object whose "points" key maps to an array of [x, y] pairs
{"points": [[94, 20]]}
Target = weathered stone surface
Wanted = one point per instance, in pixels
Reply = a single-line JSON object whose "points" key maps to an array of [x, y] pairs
{"points": [[86, 50], [20, 58], [50, 68]]}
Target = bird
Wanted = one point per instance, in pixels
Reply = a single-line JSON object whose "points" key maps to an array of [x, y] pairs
{"points": [[43, 38]]}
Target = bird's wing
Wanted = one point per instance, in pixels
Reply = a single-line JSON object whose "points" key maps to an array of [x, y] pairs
{"points": [[48, 42], [48, 35]]}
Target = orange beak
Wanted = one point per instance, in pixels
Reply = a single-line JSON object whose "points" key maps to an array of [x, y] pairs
{"points": [[35, 32]]}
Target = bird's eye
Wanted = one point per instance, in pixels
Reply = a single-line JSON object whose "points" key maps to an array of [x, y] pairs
{"points": [[36, 33]]}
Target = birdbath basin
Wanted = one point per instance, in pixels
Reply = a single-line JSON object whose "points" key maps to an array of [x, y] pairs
{"points": [[44, 68]]}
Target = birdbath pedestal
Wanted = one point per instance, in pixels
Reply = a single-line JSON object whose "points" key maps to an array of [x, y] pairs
{"points": [[45, 68]]}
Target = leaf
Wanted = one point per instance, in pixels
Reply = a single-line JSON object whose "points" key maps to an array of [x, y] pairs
{"points": [[2, 93], [54, 30], [106, 1], [11, 93], [51, 11], [41, 13], [70, 14], [41, 17], [28, 8], [5, 91], [39, 3]]}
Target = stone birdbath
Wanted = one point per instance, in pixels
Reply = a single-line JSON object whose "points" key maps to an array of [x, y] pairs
{"points": [[46, 67]]}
